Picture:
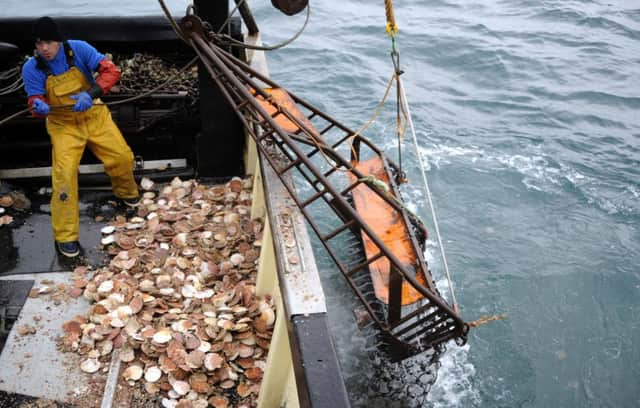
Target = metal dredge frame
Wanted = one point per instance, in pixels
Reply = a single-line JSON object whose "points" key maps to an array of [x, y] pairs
{"points": [[403, 333]]}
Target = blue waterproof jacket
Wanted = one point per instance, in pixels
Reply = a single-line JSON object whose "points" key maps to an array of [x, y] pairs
{"points": [[85, 57]]}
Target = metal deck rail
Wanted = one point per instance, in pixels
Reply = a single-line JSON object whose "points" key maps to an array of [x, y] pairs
{"points": [[321, 165]]}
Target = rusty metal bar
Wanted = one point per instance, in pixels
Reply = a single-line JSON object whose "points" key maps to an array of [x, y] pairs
{"points": [[395, 296], [338, 230], [238, 86], [367, 262], [247, 17], [213, 54], [313, 198]]}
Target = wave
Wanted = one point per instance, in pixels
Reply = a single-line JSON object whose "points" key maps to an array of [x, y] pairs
{"points": [[454, 387], [541, 173]]}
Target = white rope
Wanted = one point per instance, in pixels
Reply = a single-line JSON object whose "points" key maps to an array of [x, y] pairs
{"points": [[426, 187]]}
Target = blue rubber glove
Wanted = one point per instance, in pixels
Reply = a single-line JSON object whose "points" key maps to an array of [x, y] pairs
{"points": [[84, 102], [40, 107]]}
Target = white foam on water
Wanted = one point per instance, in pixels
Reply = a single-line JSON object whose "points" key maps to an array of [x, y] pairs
{"points": [[539, 173], [454, 386], [441, 154]]}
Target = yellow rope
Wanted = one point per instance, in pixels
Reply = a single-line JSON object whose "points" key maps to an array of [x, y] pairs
{"points": [[352, 137], [392, 28]]}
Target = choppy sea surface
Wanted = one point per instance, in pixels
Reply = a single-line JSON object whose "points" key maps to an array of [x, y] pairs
{"points": [[528, 114]]}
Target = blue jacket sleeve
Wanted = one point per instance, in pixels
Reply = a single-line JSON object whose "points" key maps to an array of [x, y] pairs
{"points": [[34, 79], [86, 54]]}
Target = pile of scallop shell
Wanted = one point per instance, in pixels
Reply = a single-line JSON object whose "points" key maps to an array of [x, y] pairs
{"points": [[177, 299], [143, 72]]}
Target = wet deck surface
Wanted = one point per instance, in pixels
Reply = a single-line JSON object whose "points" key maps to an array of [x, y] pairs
{"points": [[27, 245], [31, 364]]}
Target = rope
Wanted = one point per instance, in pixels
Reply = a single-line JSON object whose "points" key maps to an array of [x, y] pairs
{"points": [[399, 127], [10, 73], [173, 23], [374, 182], [240, 44], [15, 115], [230, 15], [127, 100], [392, 28], [430, 200], [487, 319], [377, 110], [233, 42], [17, 84]]}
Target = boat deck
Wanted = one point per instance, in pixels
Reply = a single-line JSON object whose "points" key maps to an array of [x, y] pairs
{"points": [[32, 366]]}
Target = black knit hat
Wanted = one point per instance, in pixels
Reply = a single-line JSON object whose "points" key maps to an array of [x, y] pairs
{"points": [[45, 29]]}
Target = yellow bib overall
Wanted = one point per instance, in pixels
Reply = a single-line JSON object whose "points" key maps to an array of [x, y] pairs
{"points": [[70, 132]]}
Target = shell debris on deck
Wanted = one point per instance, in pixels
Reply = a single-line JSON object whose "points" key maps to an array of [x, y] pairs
{"points": [[178, 298]]}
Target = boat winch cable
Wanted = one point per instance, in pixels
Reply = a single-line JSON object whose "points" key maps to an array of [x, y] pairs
{"points": [[228, 40], [392, 31], [425, 182], [236, 8], [235, 43]]}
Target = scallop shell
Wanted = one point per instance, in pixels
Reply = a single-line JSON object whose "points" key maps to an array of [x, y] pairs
{"points": [[109, 229], [6, 201], [213, 361], [152, 374], [169, 403], [90, 365], [176, 183], [181, 387], [219, 401], [105, 287], [245, 351], [243, 390], [268, 316], [146, 183], [6, 219], [188, 291], [162, 336], [195, 359], [127, 354], [191, 342], [105, 347], [199, 384], [132, 373], [136, 304], [204, 346], [253, 373]]}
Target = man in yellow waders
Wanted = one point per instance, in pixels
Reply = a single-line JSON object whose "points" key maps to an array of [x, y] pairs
{"points": [[60, 85]]}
